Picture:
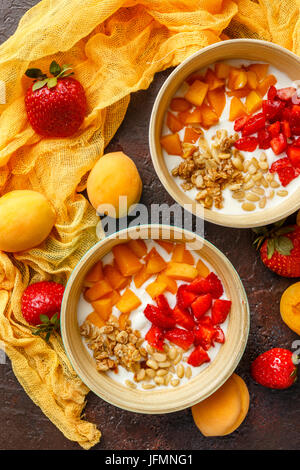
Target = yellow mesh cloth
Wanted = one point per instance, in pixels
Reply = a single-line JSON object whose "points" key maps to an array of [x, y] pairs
{"points": [[115, 46]]}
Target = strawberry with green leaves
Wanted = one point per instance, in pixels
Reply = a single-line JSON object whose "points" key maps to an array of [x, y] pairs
{"points": [[280, 248]]}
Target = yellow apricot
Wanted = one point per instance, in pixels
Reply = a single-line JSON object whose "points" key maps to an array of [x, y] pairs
{"points": [[224, 411], [290, 307], [114, 175], [26, 219]]}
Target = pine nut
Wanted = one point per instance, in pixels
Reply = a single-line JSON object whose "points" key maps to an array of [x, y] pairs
{"points": [[172, 353], [166, 348], [257, 177], [248, 206], [237, 163], [258, 190], [177, 359], [252, 169], [147, 386], [149, 349], [252, 197], [271, 194], [282, 193], [159, 380], [249, 185], [164, 364], [151, 363], [130, 384], [263, 157], [188, 372], [180, 371], [172, 369], [270, 177], [161, 372], [264, 182], [159, 357], [254, 162], [167, 379], [246, 165], [238, 195], [274, 184], [150, 373], [175, 382], [262, 202], [140, 375], [264, 165], [247, 178]]}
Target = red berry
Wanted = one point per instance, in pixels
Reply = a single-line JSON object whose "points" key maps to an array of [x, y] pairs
{"points": [[220, 310], [293, 153], [163, 305], [183, 318], [184, 297], [201, 305], [274, 128], [158, 318], [248, 144], [264, 138], [42, 298], [198, 357], [254, 124], [155, 337], [240, 123], [219, 335], [286, 94], [278, 144], [182, 338], [272, 93], [204, 336], [274, 369]]}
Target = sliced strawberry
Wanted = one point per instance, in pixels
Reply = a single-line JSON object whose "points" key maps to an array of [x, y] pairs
{"points": [[219, 335], [248, 144], [201, 305], [198, 357], [286, 129], [254, 124], [215, 285], [156, 316], [264, 138], [286, 94], [185, 297], [272, 109], [183, 318], [204, 336], [272, 93], [220, 310], [274, 128], [293, 153], [163, 305], [239, 123], [155, 337], [199, 286], [278, 144], [279, 164], [182, 338], [286, 172], [295, 120], [206, 320]]}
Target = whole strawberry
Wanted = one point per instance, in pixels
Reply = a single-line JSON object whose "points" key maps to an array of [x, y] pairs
{"points": [[274, 369], [280, 249], [40, 304], [55, 106]]}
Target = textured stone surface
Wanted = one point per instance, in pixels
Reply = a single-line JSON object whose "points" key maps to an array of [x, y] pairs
{"points": [[273, 420]]}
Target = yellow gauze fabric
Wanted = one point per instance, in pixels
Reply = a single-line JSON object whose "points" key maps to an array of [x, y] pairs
{"points": [[115, 47]]}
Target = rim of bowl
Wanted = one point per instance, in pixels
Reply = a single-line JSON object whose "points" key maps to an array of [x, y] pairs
{"points": [[228, 369], [248, 219]]}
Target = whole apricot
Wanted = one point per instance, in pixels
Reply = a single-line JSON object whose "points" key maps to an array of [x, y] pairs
{"points": [[113, 176], [26, 219], [290, 307]]}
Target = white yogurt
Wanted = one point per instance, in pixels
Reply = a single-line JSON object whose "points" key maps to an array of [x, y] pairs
{"points": [[232, 206], [141, 323]]}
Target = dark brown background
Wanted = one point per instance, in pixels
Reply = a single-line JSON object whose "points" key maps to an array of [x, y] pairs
{"points": [[274, 416]]}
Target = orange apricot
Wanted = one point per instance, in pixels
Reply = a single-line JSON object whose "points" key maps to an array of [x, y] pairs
{"points": [[222, 70], [156, 288], [253, 102], [103, 307], [181, 255], [173, 123], [195, 117], [180, 104], [212, 80], [191, 135], [138, 247], [196, 92], [209, 117], [171, 284], [181, 271], [128, 302], [202, 269], [168, 246], [141, 277], [217, 100], [155, 262], [98, 290], [95, 274], [171, 143], [127, 262], [237, 109], [237, 79], [261, 70], [95, 318], [114, 277], [265, 84], [290, 307]]}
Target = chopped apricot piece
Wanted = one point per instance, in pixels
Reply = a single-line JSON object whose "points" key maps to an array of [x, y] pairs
{"points": [[141, 277], [103, 307], [237, 79], [290, 307], [128, 302], [127, 262], [202, 268], [183, 115], [261, 70], [193, 77], [222, 70], [252, 80], [155, 262], [237, 109], [265, 84], [253, 102], [217, 100], [173, 123], [95, 274], [180, 104], [212, 80], [196, 92], [98, 290], [171, 143], [114, 297], [156, 288], [191, 135], [239, 93], [195, 117], [170, 283], [114, 277], [209, 117], [123, 319], [182, 255], [168, 246], [138, 247], [95, 318], [181, 271]]}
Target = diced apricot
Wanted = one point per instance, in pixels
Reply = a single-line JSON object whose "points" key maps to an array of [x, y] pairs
{"points": [[127, 262], [95, 318], [155, 262], [138, 247], [202, 268], [98, 290], [189, 151], [128, 302], [222, 70], [123, 319], [114, 297], [193, 77], [181, 271], [191, 135], [103, 307], [141, 277], [88, 284], [114, 277], [265, 84], [171, 143], [224, 411], [180, 104], [237, 109], [196, 92], [173, 123], [95, 274], [290, 307], [252, 80], [217, 100], [183, 115], [156, 288], [195, 117], [170, 283], [182, 255], [261, 70], [168, 246], [237, 79], [209, 117], [239, 93], [253, 102], [212, 80]]}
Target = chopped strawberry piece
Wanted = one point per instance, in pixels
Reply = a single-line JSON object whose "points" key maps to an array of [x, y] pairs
{"points": [[264, 138], [183, 318], [220, 310], [286, 175], [198, 357], [206, 320], [278, 144], [274, 128], [199, 286], [216, 288], [286, 94], [158, 318], [185, 297], [163, 305], [248, 144], [293, 153], [295, 120], [272, 93], [286, 129], [272, 109], [279, 164], [204, 336], [201, 305], [239, 123], [219, 335], [254, 124], [155, 338], [208, 285], [182, 338]]}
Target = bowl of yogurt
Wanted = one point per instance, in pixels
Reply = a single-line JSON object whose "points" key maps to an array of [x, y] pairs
{"points": [[154, 319], [225, 133]]}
